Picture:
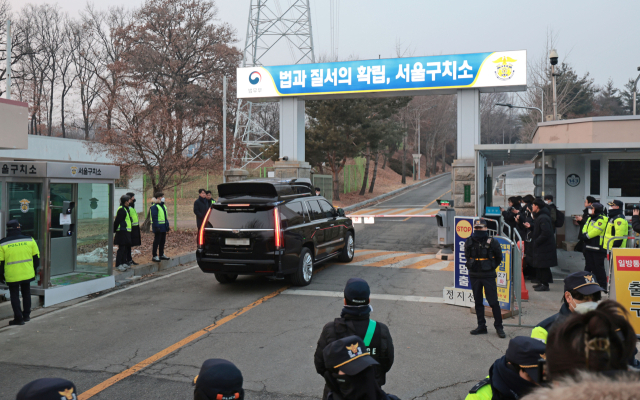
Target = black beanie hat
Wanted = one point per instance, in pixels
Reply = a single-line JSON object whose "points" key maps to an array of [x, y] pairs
{"points": [[48, 389], [218, 380]]}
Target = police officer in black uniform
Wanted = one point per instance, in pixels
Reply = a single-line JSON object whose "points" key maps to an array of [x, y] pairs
{"points": [[483, 254], [354, 320]]}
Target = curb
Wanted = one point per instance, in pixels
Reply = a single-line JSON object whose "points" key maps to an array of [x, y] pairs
{"points": [[353, 207], [149, 268]]}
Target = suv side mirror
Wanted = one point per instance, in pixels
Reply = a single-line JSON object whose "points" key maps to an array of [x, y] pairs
{"points": [[341, 212]]}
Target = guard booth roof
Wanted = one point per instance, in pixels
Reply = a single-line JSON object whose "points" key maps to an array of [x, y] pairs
{"points": [[518, 153]]}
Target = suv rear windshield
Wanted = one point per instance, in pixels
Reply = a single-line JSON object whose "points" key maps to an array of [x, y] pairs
{"points": [[245, 218]]}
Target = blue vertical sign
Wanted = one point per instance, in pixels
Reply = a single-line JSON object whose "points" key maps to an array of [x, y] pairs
{"points": [[463, 230], [503, 271]]}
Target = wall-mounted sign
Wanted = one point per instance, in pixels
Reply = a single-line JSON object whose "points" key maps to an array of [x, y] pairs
{"points": [[397, 76], [573, 180], [23, 169]]}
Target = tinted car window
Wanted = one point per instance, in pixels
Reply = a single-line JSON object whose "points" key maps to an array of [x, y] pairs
{"points": [[292, 213], [326, 208], [257, 219], [314, 209]]}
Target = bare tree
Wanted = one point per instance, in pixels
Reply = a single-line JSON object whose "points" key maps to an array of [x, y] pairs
{"points": [[51, 27], [65, 66]]}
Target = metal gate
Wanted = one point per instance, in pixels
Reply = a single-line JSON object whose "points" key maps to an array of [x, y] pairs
{"points": [[325, 183]]}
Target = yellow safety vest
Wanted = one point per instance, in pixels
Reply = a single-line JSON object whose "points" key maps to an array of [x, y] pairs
{"points": [[618, 226], [17, 254], [127, 218], [595, 228], [162, 214], [484, 393], [134, 216]]}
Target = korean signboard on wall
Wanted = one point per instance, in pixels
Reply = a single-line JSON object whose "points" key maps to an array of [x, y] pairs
{"points": [[486, 71]]}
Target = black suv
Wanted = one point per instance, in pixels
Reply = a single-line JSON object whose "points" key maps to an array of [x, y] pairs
{"points": [[272, 227]]}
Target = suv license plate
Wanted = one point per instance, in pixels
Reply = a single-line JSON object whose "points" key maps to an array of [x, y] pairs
{"points": [[236, 242]]}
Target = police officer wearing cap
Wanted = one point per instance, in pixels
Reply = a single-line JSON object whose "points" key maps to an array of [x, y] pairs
{"points": [[218, 380], [48, 389], [350, 373], [515, 374], [19, 260], [483, 255], [354, 320], [593, 237], [616, 226], [581, 293]]}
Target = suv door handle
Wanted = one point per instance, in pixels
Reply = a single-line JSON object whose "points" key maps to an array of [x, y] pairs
{"points": [[332, 224], [317, 227]]}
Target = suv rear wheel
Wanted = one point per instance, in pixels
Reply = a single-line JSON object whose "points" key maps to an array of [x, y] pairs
{"points": [[349, 248], [304, 273], [226, 278]]}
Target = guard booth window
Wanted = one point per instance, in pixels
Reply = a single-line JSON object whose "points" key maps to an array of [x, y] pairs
{"points": [[624, 178]]}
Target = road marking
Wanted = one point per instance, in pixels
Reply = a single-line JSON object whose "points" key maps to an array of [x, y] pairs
{"points": [[438, 266], [143, 364], [398, 211], [392, 297], [409, 191], [434, 200], [395, 262], [372, 255], [364, 211]]}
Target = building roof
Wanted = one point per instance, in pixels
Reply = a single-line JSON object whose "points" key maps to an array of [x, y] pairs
{"points": [[622, 128], [528, 151]]}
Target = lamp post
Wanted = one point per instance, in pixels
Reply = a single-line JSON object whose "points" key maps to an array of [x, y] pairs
{"points": [[635, 92], [512, 106], [542, 102], [553, 59]]}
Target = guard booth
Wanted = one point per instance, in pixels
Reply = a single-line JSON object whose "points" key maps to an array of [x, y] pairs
{"points": [[68, 209]]}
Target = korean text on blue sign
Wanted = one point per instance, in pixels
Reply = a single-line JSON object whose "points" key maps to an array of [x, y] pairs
{"points": [[503, 272], [477, 70], [463, 230]]}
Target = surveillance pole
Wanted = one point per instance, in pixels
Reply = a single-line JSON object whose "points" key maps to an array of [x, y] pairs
{"points": [[553, 58]]}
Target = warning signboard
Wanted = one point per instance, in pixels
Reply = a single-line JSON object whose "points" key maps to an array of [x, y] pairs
{"points": [[626, 282]]}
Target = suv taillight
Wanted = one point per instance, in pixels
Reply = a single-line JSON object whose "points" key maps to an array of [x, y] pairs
{"points": [[201, 233], [277, 231]]}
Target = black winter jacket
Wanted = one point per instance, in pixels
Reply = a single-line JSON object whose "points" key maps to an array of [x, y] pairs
{"points": [[357, 325], [635, 223], [200, 208], [489, 248], [544, 243]]}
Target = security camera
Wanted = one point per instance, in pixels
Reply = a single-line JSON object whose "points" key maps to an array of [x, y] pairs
{"points": [[285, 158], [638, 68], [553, 57]]}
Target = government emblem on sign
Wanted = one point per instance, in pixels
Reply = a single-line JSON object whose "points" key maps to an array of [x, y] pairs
{"points": [[573, 180], [504, 68], [24, 205], [74, 170]]}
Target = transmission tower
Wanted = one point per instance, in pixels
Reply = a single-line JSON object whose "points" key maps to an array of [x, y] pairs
{"points": [[285, 26]]}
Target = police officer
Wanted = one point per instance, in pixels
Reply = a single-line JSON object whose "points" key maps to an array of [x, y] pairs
{"points": [[581, 291], [19, 260], [160, 226], [354, 320], [593, 237], [483, 255], [218, 379], [122, 229], [48, 389], [350, 373], [616, 226], [513, 375], [136, 238]]}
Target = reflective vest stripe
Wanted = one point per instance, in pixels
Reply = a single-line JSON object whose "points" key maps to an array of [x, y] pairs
{"points": [[540, 333], [127, 219], [370, 331], [21, 261], [15, 241]]}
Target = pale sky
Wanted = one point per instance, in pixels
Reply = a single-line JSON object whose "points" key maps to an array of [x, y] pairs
{"points": [[602, 37]]}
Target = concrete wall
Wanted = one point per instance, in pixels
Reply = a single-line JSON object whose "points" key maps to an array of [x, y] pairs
{"points": [[590, 130]]}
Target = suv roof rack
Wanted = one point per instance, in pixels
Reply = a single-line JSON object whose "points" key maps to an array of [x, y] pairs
{"points": [[265, 189]]}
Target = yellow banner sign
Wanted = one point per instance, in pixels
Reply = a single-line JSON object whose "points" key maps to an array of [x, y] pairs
{"points": [[626, 282]]}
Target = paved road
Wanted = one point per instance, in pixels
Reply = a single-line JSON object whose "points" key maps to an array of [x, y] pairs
{"points": [[149, 340]]}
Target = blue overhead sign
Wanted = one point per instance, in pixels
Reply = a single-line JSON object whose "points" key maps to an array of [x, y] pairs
{"points": [[489, 71]]}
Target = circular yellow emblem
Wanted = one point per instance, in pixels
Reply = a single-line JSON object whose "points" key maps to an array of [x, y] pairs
{"points": [[464, 228]]}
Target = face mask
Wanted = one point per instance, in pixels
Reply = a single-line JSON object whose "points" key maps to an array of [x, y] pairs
{"points": [[523, 204], [548, 201], [584, 308], [591, 211], [162, 200]]}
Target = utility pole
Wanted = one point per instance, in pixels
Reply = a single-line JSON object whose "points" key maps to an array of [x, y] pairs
{"points": [[635, 92], [553, 59], [224, 128]]}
